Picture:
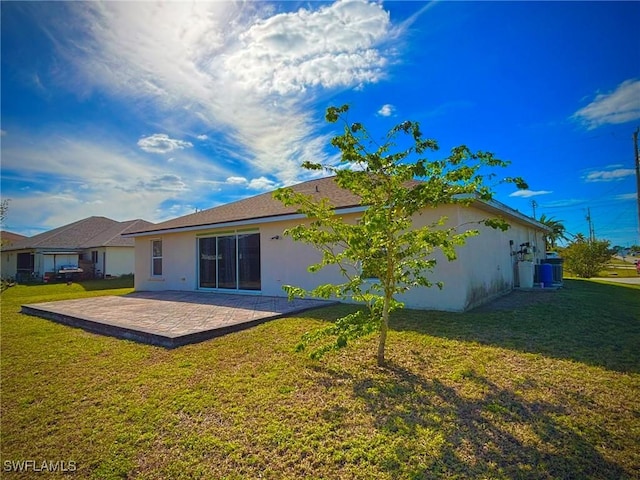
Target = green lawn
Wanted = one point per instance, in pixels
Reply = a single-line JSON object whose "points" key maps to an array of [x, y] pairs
{"points": [[548, 390], [619, 268], [615, 268]]}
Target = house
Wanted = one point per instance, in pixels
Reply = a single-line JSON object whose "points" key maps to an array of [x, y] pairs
{"points": [[240, 248], [93, 247]]}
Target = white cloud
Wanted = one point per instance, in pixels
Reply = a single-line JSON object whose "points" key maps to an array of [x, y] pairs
{"points": [[161, 143], [3, 133], [619, 106], [386, 110], [237, 181], [54, 184], [334, 46], [240, 72], [626, 196], [529, 193], [609, 175], [234, 68], [262, 183]]}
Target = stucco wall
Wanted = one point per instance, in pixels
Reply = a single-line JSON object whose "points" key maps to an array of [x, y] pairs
{"points": [[487, 259], [179, 263], [120, 260], [285, 262], [451, 274], [9, 265], [493, 256]]}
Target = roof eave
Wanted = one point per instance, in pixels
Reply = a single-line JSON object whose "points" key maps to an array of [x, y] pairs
{"points": [[236, 223], [501, 208]]}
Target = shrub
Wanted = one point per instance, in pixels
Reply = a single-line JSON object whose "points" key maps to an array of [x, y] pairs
{"points": [[586, 258]]}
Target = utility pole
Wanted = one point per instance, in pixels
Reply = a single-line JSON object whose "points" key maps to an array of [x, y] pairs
{"points": [[534, 204], [592, 233], [635, 151]]}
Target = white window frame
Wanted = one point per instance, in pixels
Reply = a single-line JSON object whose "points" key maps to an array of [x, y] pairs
{"points": [[154, 258]]}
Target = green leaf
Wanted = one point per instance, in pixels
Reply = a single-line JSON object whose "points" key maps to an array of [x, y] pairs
{"points": [[383, 243]]}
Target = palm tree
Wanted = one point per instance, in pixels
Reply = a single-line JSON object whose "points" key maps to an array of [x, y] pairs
{"points": [[579, 237], [558, 231]]}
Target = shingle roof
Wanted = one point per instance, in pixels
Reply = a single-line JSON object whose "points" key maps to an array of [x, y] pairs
{"points": [[10, 238], [264, 206], [259, 206], [90, 232], [112, 237]]}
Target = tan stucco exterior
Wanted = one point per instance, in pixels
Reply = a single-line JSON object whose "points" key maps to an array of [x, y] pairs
{"points": [[485, 266]]}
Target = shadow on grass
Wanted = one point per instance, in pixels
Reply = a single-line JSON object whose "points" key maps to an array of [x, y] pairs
{"points": [[499, 435], [593, 323], [589, 322]]}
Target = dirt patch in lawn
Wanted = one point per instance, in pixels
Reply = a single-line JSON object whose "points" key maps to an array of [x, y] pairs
{"points": [[519, 298]]}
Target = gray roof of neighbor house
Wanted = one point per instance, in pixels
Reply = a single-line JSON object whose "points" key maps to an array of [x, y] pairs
{"points": [[9, 238], [92, 232], [264, 207]]}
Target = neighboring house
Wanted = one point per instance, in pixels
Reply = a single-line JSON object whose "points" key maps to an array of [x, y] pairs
{"points": [[93, 247], [240, 248], [9, 238]]}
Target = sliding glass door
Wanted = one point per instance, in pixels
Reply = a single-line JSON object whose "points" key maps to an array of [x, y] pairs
{"points": [[230, 262], [249, 261], [227, 260], [207, 253]]}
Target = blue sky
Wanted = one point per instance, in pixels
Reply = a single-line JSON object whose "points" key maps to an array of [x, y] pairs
{"points": [[151, 110]]}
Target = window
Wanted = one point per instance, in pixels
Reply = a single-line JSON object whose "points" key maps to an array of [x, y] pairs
{"points": [[94, 256], [156, 258], [25, 262]]}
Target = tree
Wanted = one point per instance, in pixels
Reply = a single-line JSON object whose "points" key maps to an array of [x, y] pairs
{"points": [[558, 231], [382, 243], [585, 257], [4, 207]]}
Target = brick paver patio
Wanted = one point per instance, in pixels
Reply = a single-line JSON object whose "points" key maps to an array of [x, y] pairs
{"points": [[169, 319]]}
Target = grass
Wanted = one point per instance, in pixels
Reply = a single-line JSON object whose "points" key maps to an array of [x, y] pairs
{"points": [[619, 268], [615, 268], [546, 390]]}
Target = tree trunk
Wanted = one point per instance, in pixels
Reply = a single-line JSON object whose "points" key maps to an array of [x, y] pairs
{"points": [[384, 327]]}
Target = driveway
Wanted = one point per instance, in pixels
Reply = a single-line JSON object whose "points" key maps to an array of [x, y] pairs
{"points": [[169, 319]]}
